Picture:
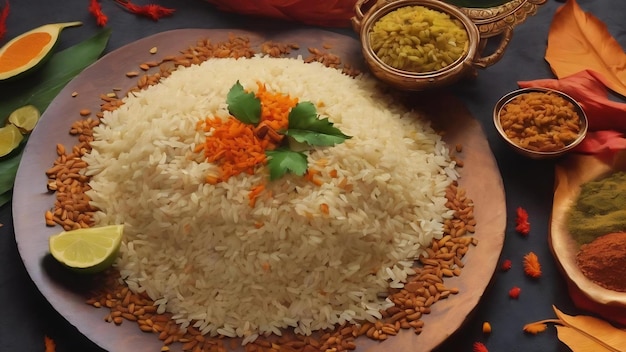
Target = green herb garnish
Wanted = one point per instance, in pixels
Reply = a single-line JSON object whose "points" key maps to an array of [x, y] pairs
{"points": [[305, 126], [245, 107], [306, 129], [283, 160]]}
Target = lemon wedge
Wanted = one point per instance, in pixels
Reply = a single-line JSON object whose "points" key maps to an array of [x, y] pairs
{"points": [[88, 250], [10, 138], [25, 118]]}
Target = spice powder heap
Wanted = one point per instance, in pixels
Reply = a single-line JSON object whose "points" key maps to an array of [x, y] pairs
{"points": [[599, 209], [603, 261]]}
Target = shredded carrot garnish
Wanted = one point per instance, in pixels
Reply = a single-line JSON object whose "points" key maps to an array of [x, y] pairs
{"points": [[254, 194], [324, 208], [532, 267], [333, 173], [275, 108], [49, 344], [235, 147], [311, 176]]}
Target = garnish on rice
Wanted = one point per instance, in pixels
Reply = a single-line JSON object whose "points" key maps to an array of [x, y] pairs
{"points": [[255, 134]]}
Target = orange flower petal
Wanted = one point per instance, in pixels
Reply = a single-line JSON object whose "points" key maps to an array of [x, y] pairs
{"points": [[532, 267]]}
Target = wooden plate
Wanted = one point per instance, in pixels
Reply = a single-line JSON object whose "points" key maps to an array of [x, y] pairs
{"points": [[66, 293], [570, 174]]}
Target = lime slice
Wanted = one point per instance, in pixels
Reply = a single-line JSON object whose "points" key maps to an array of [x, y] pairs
{"points": [[10, 138], [25, 118], [88, 250]]}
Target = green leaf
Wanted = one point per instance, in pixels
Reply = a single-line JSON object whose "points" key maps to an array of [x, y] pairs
{"points": [[283, 160], [40, 88], [8, 169], [306, 127], [5, 197], [245, 107]]}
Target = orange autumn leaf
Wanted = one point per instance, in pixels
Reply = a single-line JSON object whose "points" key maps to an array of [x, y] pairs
{"points": [[49, 344], [578, 41], [532, 267], [535, 328], [583, 333]]}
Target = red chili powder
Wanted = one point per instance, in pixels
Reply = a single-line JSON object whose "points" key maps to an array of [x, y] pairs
{"points": [[603, 261]]}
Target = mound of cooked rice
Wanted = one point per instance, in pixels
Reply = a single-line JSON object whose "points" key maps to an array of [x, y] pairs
{"points": [[197, 249]]}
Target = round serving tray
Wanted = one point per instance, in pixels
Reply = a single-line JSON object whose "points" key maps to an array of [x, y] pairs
{"points": [[67, 293]]}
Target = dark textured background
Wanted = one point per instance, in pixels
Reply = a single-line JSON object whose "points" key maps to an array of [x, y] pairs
{"points": [[25, 316]]}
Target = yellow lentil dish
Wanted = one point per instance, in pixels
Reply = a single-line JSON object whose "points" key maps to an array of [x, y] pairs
{"points": [[540, 121], [418, 39]]}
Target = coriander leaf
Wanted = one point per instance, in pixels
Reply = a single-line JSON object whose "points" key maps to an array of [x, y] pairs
{"points": [[245, 107], [306, 127], [283, 160]]}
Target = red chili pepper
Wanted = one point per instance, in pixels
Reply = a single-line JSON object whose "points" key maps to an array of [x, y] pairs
{"points": [[96, 10], [155, 12], [3, 19], [523, 226]]}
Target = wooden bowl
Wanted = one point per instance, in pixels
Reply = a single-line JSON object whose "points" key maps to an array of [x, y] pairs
{"points": [[570, 174], [534, 154]]}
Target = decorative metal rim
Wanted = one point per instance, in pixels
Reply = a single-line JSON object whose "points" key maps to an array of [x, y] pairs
{"points": [[492, 21]]}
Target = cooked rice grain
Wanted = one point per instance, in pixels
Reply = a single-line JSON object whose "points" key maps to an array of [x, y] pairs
{"points": [[194, 247]]}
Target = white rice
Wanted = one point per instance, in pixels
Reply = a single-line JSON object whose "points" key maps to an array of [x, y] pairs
{"points": [[194, 248]]}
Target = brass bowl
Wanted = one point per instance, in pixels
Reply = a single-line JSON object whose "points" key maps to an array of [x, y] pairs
{"points": [[500, 18], [407, 80], [534, 154], [481, 25]]}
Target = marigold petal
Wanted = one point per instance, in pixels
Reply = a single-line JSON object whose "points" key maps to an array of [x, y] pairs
{"points": [[532, 267], [479, 347]]}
